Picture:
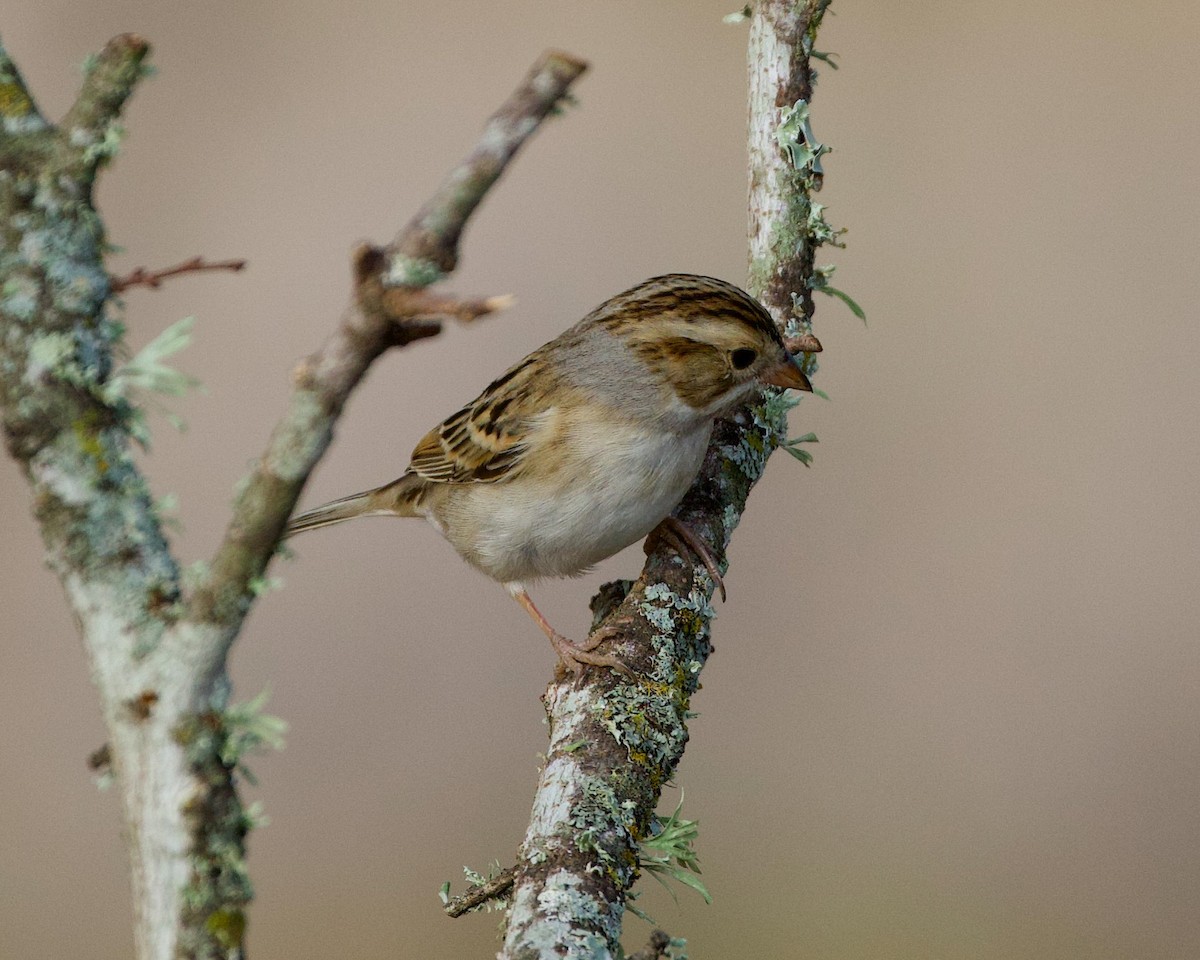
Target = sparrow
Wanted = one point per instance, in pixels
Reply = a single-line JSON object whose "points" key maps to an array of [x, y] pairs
{"points": [[586, 445]]}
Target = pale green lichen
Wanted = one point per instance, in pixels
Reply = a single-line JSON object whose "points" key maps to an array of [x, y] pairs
{"points": [[214, 899], [820, 281], [23, 123], [99, 148], [412, 272], [669, 850], [730, 518], [599, 817], [561, 901], [795, 138], [95, 504], [249, 730], [146, 370], [263, 584], [49, 354], [19, 299]]}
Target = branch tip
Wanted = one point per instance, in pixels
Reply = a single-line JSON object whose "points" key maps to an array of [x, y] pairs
{"points": [[126, 44], [367, 261], [804, 343], [110, 80], [502, 302], [432, 236]]}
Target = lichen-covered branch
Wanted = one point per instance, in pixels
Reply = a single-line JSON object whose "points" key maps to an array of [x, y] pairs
{"points": [[71, 435], [614, 743], [90, 124], [785, 222], [158, 656]]}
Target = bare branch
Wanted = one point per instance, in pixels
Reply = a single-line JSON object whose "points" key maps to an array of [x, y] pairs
{"points": [[432, 235], [154, 278]]}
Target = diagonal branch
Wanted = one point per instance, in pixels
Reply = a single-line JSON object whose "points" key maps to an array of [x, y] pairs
{"points": [[613, 744], [432, 235], [91, 123], [418, 256]]}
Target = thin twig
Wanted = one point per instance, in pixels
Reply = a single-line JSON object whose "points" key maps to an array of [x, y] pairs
{"points": [[803, 343], [154, 278], [480, 894], [421, 303]]}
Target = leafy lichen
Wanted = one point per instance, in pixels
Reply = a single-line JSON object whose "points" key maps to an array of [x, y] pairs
{"points": [[216, 743]]}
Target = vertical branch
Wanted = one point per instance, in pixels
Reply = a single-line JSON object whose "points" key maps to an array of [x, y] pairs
{"points": [[613, 744], [71, 433], [784, 168]]}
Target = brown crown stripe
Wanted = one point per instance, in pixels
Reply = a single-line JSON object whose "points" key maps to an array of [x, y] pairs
{"points": [[687, 298]]}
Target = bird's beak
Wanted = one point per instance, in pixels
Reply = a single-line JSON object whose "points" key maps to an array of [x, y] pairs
{"points": [[788, 375]]}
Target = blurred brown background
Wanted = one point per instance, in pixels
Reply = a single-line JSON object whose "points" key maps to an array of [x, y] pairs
{"points": [[955, 702]]}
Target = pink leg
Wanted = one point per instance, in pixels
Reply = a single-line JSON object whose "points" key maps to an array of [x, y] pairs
{"points": [[574, 656], [679, 535]]}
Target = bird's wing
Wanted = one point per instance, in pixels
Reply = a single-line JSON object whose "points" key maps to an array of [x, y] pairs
{"points": [[489, 439]]}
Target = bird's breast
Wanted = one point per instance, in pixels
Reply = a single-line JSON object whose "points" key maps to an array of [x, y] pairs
{"points": [[603, 486]]}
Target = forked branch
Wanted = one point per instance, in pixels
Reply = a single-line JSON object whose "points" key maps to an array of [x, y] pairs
{"points": [[158, 656]]}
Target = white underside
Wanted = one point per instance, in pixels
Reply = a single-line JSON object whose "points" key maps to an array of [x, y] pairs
{"points": [[621, 488]]}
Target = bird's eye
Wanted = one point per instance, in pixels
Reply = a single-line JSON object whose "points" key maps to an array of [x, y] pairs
{"points": [[742, 358]]}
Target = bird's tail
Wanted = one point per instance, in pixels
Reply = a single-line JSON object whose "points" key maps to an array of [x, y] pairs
{"points": [[397, 499]]}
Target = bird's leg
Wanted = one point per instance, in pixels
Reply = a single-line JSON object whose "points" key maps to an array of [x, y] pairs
{"points": [[682, 538], [574, 656]]}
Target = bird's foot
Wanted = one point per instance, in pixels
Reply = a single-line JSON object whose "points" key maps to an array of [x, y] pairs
{"points": [[575, 656], [683, 539]]}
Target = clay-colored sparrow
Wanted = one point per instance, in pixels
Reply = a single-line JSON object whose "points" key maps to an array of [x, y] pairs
{"points": [[583, 447]]}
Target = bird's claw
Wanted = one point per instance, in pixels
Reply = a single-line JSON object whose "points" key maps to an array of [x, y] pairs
{"points": [[575, 656], [684, 540]]}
